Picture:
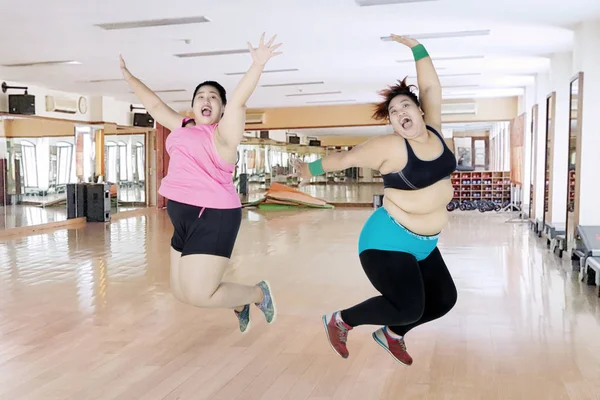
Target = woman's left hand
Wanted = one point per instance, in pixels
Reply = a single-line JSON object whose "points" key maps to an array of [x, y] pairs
{"points": [[264, 52], [407, 41], [302, 171]]}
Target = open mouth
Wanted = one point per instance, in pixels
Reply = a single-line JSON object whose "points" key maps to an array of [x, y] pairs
{"points": [[406, 123], [206, 111]]}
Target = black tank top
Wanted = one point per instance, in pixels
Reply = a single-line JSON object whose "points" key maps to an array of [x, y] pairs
{"points": [[418, 174]]}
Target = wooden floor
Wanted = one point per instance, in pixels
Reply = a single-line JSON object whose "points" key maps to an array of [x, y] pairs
{"points": [[87, 314]]}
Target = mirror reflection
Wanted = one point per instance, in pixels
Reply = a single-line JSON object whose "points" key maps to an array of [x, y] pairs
{"points": [[548, 156], [35, 173], [533, 128], [574, 123], [125, 171]]}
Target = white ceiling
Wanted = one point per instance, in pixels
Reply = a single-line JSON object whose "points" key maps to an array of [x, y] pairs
{"points": [[333, 41]]}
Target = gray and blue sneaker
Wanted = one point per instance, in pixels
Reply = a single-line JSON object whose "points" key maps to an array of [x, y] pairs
{"points": [[244, 318], [267, 306]]}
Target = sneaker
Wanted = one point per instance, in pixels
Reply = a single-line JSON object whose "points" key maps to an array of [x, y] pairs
{"points": [[396, 347], [267, 306], [337, 333], [244, 318]]}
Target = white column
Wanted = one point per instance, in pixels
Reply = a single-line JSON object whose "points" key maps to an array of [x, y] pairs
{"points": [[542, 90], [560, 76], [587, 59], [529, 102]]}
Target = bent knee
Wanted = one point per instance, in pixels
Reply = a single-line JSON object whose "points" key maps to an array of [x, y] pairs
{"points": [[198, 295]]}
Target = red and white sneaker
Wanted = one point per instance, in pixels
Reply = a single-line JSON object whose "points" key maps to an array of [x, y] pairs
{"points": [[337, 333], [396, 347]]}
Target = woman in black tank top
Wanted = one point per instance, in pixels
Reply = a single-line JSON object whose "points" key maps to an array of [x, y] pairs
{"points": [[406, 268]]}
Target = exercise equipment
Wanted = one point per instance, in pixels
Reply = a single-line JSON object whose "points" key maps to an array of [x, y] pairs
{"points": [[552, 230], [587, 244], [282, 197]]}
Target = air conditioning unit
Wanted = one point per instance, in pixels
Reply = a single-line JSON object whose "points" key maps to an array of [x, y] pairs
{"points": [[61, 105], [459, 108], [255, 118]]}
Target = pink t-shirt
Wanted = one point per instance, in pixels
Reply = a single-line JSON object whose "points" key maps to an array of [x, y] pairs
{"points": [[197, 174]]}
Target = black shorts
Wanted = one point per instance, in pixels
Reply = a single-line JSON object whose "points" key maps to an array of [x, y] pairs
{"points": [[202, 230]]}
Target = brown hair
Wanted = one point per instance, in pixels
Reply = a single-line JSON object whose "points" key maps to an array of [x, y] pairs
{"points": [[400, 89]]}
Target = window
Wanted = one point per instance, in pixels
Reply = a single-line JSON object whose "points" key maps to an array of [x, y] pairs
{"points": [[29, 163]]}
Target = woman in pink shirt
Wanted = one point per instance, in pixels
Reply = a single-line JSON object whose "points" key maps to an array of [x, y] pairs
{"points": [[203, 204]]}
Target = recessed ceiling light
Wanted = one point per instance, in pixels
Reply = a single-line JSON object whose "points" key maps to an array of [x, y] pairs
{"points": [[43, 63], [366, 3], [442, 35], [311, 94], [446, 59], [265, 71], [153, 23], [292, 84], [106, 80], [212, 53]]}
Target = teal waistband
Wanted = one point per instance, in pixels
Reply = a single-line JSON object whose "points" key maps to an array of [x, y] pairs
{"points": [[383, 232]]}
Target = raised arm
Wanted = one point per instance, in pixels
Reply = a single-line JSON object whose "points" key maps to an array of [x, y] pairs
{"points": [[231, 127], [430, 88], [161, 112], [366, 155]]}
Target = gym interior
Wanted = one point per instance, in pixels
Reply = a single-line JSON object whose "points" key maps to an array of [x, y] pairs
{"points": [[84, 235]]}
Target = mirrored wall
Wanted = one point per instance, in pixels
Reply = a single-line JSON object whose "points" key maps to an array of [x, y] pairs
{"points": [[40, 157], [125, 170], [574, 157], [549, 139], [35, 174]]}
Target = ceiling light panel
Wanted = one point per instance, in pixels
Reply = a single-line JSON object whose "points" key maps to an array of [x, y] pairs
{"points": [[272, 71], [213, 53], [442, 35], [43, 64], [292, 84], [153, 23]]}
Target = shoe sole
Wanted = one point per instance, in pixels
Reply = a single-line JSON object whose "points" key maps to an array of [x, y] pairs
{"points": [[324, 319], [388, 350], [272, 303]]}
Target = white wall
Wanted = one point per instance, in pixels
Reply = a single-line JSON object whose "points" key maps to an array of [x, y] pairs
{"points": [[528, 102], [542, 90], [587, 59], [100, 108], [560, 75]]}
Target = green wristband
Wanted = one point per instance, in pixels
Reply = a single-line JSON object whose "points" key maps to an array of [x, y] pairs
{"points": [[419, 52], [316, 167]]}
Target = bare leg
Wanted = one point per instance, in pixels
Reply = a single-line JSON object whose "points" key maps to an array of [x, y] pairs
{"points": [[200, 282], [175, 286]]}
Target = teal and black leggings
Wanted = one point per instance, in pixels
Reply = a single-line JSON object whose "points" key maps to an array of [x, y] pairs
{"points": [[409, 272]]}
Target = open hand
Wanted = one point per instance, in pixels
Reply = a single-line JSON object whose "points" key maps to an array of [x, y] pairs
{"points": [[264, 52], [302, 171], [405, 40]]}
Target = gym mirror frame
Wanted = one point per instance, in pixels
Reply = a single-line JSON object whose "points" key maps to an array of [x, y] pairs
{"points": [[549, 156], [572, 217], [533, 165]]}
